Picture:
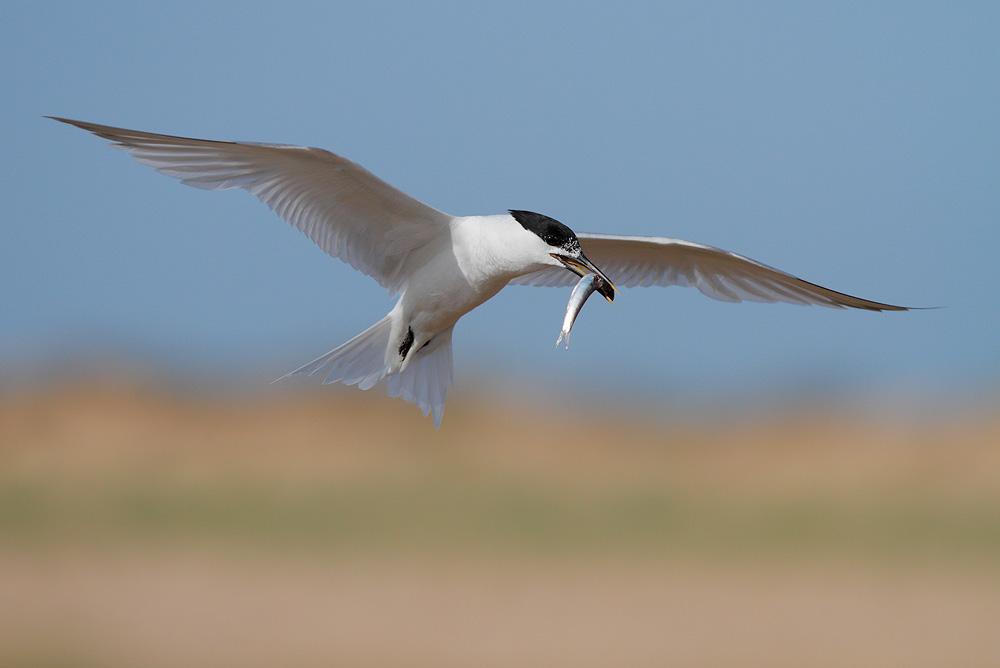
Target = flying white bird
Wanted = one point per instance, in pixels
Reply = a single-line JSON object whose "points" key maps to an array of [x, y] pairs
{"points": [[442, 266]]}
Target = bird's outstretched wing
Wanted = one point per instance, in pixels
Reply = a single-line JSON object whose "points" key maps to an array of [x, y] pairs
{"points": [[348, 211], [647, 261]]}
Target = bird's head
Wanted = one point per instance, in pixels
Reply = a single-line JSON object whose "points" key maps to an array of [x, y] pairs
{"points": [[562, 246]]}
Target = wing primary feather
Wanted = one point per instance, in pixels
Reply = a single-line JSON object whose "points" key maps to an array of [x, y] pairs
{"points": [[345, 209], [660, 261]]}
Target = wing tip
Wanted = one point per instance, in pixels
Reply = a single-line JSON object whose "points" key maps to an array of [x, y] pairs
{"points": [[69, 121]]}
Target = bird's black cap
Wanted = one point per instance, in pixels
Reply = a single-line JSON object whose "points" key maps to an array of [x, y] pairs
{"points": [[550, 230]]}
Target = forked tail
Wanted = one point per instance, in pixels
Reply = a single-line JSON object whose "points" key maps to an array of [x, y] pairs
{"points": [[361, 362]]}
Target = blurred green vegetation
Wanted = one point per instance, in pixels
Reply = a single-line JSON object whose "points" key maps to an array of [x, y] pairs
{"points": [[357, 472], [433, 512]]}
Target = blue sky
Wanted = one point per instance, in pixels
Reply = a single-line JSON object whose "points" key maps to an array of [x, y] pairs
{"points": [[855, 145]]}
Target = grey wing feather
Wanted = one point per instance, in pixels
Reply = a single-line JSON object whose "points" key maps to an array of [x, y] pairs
{"points": [[647, 261], [345, 209]]}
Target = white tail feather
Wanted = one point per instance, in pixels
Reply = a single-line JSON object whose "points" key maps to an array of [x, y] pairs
{"points": [[361, 362], [425, 381], [357, 361]]}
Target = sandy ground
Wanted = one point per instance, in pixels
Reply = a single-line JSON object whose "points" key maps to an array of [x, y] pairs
{"points": [[92, 581], [190, 607]]}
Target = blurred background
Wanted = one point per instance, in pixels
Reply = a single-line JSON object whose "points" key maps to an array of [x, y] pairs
{"points": [[691, 483]]}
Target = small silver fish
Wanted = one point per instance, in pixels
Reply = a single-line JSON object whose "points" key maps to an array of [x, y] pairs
{"points": [[587, 286]]}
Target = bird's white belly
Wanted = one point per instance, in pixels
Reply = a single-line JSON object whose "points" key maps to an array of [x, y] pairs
{"points": [[437, 296]]}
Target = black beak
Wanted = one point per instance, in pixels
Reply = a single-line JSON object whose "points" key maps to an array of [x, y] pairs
{"points": [[580, 264]]}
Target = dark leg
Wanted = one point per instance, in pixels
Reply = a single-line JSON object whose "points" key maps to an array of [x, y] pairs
{"points": [[404, 348]]}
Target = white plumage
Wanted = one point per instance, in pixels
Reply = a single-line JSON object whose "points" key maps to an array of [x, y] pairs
{"points": [[442, 266]]}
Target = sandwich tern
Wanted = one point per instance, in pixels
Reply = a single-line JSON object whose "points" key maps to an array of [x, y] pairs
{"points": [[442, 266]]}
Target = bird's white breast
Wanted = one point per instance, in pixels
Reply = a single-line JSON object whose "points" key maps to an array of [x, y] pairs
{"points": [[482, 255]]}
